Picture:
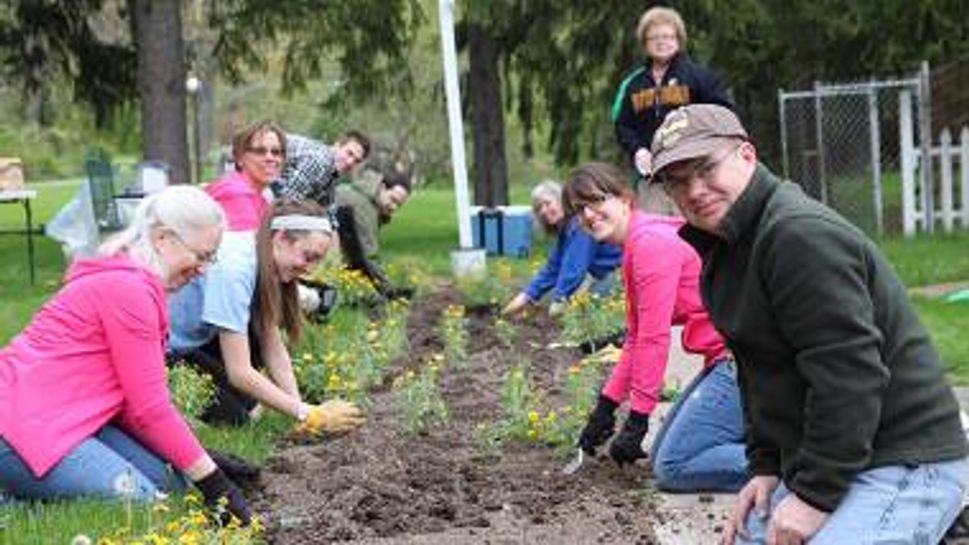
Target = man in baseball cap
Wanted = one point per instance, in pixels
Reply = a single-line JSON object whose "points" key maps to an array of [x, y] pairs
{"points": [[853, 434]]}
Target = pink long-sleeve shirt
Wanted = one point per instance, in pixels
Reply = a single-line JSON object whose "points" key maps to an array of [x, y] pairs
{"points": [[93, 354], [244, 204], [661, 273]]}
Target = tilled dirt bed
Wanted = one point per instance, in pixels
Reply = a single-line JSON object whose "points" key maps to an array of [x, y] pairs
{"points": [[377, 485]]}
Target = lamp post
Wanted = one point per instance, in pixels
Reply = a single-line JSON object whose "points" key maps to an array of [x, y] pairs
{"points": [[193, 86]]}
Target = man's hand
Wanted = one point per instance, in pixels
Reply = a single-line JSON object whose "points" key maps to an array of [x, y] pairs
{"points": [[644, 161], [335, 416], [755, 494], [794, 522]]}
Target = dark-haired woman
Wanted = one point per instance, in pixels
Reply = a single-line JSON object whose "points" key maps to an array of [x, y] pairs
{"points": [[700, 446], [230, 321]]}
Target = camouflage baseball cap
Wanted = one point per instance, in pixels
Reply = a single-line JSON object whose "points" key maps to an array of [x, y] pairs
{"points": [[693, 131]]}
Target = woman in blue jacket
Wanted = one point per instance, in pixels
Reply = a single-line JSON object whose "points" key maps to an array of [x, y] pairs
{"points": [[577, 261]]}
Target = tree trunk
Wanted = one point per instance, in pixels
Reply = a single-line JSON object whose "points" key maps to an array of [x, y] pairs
{"points": [[157, 30], [488, 120]]}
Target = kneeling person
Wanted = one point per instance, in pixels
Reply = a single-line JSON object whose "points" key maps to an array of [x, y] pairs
{"points": [[227, 323]]}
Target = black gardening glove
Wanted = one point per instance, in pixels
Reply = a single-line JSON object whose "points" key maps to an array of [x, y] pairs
{"points": [[235, 468], [397, 292], [224, 497], [600, 427], [627, 447]]}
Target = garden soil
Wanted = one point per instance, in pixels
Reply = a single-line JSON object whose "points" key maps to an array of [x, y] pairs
{"points": [[378, 485]]}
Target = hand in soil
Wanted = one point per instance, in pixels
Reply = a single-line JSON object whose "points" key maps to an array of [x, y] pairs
{"points": [[628, 446], [600, 427], [223, 496], [331, 417]]}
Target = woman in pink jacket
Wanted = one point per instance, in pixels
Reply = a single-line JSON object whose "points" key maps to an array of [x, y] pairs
{"points": [[84, 402], [259, 151], [700, 446]]}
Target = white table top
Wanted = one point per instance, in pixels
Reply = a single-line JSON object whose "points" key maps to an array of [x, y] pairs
{"points": [[17, 194]]}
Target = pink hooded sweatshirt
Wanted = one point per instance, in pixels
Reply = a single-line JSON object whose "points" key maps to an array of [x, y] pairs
{"points": [[661, 273], [92, 355], [244, 204]]}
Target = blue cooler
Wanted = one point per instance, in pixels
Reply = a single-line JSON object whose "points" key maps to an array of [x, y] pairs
{"points": [[503, 230]]}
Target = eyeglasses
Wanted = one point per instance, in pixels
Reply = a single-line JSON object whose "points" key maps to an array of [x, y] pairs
{"points": [[595, 203], [675, 183], [202, 257], [661, 38], [263, 150]]}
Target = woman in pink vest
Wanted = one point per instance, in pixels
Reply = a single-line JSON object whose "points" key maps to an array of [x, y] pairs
{"points": [[700, 446], [259, 152], [84, 402]]}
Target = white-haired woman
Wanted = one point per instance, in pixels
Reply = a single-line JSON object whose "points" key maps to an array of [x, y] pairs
{"points": [[228, 322], [84, 403], [577, 260]]}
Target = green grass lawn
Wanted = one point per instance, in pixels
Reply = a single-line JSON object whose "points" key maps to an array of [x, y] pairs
{"points": [[425, 232]]}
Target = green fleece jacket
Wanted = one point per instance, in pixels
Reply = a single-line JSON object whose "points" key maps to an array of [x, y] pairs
{"points": [[837, 374], [361, 195]]}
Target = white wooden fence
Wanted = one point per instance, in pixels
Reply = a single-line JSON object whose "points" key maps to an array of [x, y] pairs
{"points": [[950, 198]]}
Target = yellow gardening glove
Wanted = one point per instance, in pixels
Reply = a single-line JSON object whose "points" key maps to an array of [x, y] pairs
{"points": [[334, 416]]}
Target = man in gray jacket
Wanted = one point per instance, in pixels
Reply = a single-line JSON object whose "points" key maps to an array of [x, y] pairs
{"points": [[853, 435]]}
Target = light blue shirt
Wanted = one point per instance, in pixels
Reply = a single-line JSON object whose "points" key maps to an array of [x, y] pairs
{"points": [[219, 299]]}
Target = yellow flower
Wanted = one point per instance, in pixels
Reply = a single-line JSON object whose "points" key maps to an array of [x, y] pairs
{"points": [[533, 417], [551, 417], [533, 434]]}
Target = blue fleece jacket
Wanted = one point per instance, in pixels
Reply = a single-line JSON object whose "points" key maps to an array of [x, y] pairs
{"points": [[574, 255]]}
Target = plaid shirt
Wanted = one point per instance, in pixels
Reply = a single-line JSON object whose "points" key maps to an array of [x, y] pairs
{"points": [[310, 172]]}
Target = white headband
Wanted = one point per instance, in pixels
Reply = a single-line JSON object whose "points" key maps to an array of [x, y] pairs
{"points": [[301, 222]]}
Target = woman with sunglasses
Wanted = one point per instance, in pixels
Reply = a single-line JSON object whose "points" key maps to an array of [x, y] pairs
{"points": [[700, 446], [230, 322], [259, 152], [84, 404]]}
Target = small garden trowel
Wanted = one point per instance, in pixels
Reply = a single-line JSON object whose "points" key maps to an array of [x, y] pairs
{"points": [[575, 464]]}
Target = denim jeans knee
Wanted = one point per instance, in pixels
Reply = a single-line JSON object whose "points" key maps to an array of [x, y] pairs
{"points": [[90, 469]]}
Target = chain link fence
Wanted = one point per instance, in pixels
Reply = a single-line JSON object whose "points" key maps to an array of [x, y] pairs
{"points": [[841, 143]]}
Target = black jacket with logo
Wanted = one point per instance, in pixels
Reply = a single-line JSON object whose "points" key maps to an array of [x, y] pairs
{"points": [[640, 104], [837, 374]]}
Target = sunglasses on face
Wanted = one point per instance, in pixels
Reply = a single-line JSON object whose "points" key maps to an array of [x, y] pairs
{"points": [[263, 150]]}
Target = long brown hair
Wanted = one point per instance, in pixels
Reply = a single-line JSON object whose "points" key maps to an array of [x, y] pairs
{"points": [[277, 303]]}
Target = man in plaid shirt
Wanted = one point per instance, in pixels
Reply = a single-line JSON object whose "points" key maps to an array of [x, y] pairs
{"points": [[312, 168]]}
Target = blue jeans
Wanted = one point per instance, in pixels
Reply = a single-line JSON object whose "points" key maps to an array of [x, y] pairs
{"points": [[602, 286], [701, 443], [886, 505], [110, 464]]}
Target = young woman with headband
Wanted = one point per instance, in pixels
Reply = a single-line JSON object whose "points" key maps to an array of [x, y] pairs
{"points": [[230, 322]]}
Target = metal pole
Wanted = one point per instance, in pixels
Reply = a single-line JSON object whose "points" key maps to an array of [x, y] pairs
{"points": [[198, 135], [876, 156], [925, 144], [819, 134], [781, 102], [453, 94]]}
